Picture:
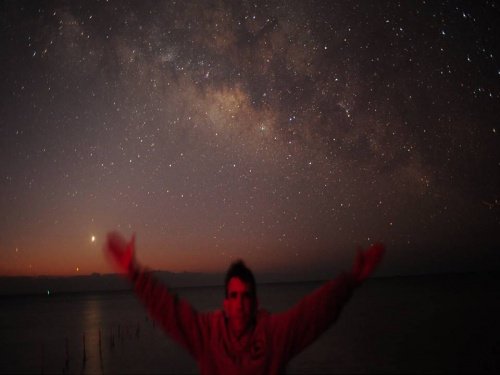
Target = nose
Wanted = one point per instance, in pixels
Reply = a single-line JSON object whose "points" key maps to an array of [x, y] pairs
{"points": [[239, 302]]}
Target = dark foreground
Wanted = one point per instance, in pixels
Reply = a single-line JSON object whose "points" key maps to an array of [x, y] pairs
{"points": [[444, 324]]}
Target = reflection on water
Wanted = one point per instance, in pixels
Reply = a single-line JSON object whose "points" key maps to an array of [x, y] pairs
{"points": [[110, 328], [72, 333], [92, 337]]}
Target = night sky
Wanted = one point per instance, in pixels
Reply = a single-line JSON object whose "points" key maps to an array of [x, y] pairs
{"points": [[286, 133]]}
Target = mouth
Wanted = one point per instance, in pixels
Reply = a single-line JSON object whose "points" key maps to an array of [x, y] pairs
{"points": [[240, 318]]}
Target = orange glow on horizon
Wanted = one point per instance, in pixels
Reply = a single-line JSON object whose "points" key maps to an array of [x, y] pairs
{"points": [[85, 257]]}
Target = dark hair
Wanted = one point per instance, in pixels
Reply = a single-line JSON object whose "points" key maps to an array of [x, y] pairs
{"points": [[241, 271]]}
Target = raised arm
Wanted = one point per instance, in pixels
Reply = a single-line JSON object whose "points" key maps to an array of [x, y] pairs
{"points": [[311, 316], [176, 316]]}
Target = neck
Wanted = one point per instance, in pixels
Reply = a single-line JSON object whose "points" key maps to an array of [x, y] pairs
{"points": [[238, 333]]}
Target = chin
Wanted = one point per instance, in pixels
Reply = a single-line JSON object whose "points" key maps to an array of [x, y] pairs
{"points": [[240, 326]]}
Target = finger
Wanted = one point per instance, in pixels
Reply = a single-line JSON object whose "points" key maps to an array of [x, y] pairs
{"points": [[357, 267], [132, 242], [130, 248]]}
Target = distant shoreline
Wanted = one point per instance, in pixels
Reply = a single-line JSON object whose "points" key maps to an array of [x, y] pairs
{"points": [[12, 286]]}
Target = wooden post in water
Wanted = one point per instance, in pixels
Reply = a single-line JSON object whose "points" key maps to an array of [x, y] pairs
{"points": [[84, 351], [42, 359], [111, 338], [100, 347], [66, 362], [100, 351]]}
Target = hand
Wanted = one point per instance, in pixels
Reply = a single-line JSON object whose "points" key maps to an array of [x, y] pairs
{"points": [[366, 261], [121, 252]]}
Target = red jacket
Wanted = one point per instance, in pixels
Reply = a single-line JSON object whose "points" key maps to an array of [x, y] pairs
{"points": [[265, 349]]}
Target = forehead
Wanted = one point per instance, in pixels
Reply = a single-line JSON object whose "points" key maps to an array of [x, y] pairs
{"points": [[237, 285]]}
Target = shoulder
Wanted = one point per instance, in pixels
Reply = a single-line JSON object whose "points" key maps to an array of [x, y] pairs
{"points": [[263, 314], [216, 315], [262, 317], [216, 319]]}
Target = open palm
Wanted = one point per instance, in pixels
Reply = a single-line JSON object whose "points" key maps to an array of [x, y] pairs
{"points": [[366, 261], [120, 251]]}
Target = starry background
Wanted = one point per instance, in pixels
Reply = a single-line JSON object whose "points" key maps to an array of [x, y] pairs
{"points": [[283, 132]]}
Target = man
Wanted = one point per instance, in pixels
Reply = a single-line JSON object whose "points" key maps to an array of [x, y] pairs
{"points": [[241, 338]]}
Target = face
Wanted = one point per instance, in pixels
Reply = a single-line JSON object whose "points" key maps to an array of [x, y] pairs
{"points": [[239, 305]]}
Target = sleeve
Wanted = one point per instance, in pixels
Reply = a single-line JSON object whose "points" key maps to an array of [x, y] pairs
{"points": [[310, 317], [176, 316]]}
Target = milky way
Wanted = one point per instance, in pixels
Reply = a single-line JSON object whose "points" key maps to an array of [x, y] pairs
{"points": [[283, 132]]}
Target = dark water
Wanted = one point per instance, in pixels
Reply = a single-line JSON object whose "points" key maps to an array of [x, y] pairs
{"points": [[444, 324]]}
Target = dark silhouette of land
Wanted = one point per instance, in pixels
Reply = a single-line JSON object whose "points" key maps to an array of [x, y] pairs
{"points": [[53, 285]]}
